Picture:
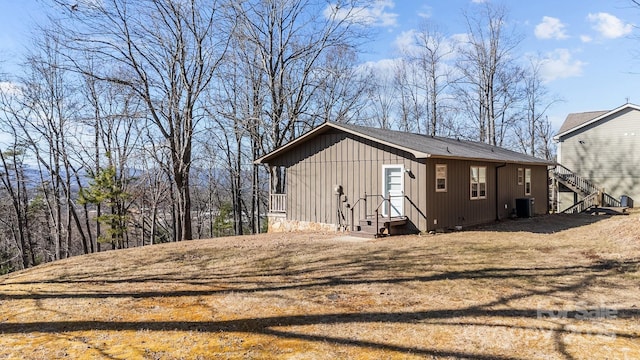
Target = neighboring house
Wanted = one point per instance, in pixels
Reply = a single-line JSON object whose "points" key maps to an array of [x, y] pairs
{"points": [[432, 182], [603, 148]]}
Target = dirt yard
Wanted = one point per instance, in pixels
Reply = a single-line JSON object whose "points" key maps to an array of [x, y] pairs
{"points": [[553, 287]]}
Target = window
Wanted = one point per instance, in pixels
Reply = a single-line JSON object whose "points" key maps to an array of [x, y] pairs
{"points": [[441, 178], [527, 181], [478, 182], [520, 176]]}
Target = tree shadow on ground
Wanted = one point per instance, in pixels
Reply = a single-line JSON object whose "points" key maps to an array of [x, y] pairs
{"points": [[543, 224], [584, 276], [250, 285], [307, 268]]}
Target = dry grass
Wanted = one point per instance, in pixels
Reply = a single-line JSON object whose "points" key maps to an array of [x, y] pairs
{"points": [[556, 287]]}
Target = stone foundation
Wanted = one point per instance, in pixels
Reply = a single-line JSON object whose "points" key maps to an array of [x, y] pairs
{"points": [[279, 223]]}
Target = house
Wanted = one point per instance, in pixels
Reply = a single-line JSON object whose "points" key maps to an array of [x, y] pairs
{"points": [[338, 175], [601, 148]]}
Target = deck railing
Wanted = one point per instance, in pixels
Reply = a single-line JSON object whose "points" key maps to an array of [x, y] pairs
{"points": [[278, 203], [608, 200], [584, 185], [586, 203]]}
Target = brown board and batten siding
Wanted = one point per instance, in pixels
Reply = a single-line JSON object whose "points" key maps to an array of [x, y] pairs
{"points": [[354, 157], [510, 189], [446, 210], [338, 158]]}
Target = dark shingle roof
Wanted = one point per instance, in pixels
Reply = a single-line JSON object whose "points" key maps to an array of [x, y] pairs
{"points": [[441, 147], [576, 119], [421, 146]]}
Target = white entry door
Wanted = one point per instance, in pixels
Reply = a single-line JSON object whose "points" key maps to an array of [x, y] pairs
{"points": [[393, 186]]}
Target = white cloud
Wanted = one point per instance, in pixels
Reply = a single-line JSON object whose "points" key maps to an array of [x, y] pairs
{"points": [[382, 69], [426, 12], [560, 64], [375, 14], [586, 38], [460, 38], [550, 28], [406, 40], [478, 1], [10, 88], [609, 26], [412, 42]]}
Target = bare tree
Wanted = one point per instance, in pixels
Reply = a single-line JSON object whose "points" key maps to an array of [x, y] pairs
{"points": [[487, 64], [411, 100], [382, 98], [341, 85], [431, 54], [46, 114], [290, 38], [166, 52], [534, 135]]}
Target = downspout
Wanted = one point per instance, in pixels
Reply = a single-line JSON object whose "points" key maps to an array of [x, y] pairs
{"points": [[497, 204]]}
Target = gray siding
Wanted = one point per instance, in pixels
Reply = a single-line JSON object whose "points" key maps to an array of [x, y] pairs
{"points": [[607, 153]]}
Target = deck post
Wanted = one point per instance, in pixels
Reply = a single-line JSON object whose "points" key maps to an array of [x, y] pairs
{"points": [[388, 227], [377, 222], [389, 199], [351, 219]]}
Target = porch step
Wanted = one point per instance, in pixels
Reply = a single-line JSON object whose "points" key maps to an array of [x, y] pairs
{"points": [[387, 226]]}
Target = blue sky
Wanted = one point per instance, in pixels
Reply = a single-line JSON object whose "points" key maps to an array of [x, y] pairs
{"points": [[588, 44]]}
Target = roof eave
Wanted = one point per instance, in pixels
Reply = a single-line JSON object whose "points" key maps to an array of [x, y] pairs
{"points": [[321, 128], [596, 119], [290, 144], [524, 162]]}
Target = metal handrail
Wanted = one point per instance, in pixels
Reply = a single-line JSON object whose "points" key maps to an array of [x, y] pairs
{"points": [[376, 210], [364, 198]]}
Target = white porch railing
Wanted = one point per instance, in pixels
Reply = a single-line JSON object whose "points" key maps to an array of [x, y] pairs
{"points": [[278, 203]]}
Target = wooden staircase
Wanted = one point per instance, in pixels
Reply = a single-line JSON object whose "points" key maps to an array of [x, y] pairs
{"points": [[594, 199], [382, 226]]}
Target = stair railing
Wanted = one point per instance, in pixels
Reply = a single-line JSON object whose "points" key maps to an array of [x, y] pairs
{"points": [[364, 200], [376, 211], [601, 197], [608, 200], [579, 182], [384, 199], [589, 201]]}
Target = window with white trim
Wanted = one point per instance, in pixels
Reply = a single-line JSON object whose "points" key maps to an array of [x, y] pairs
{"points": [[527, 181], [520, 176], [441, 178], [478, 182]]}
